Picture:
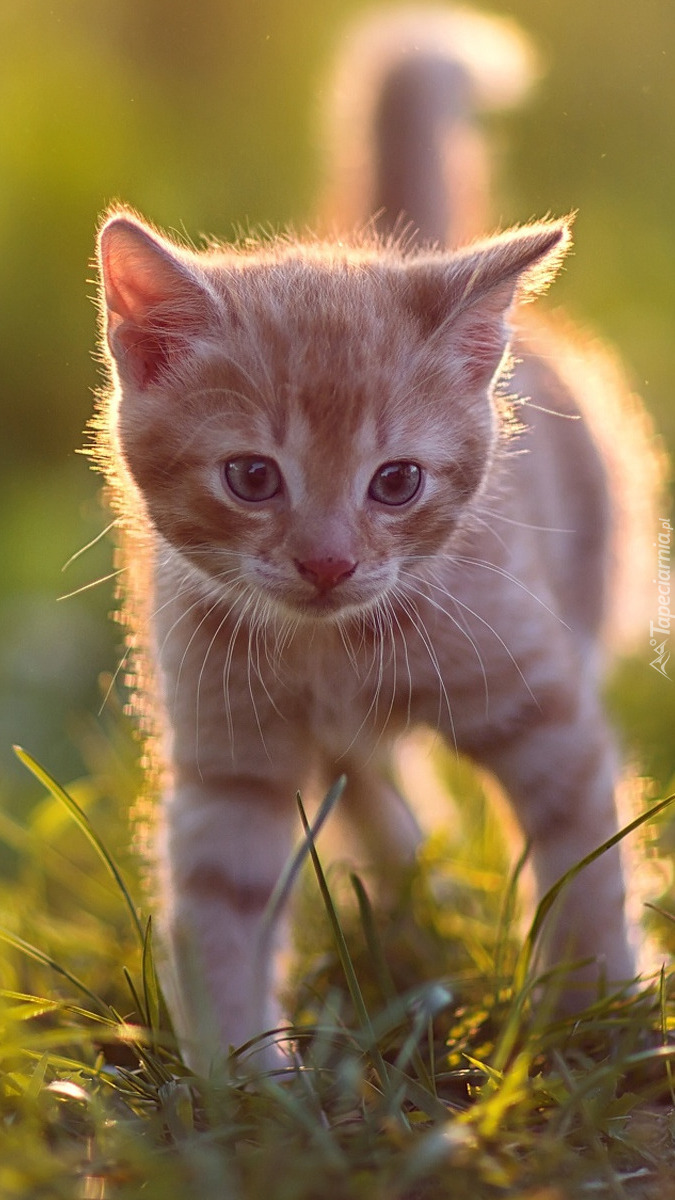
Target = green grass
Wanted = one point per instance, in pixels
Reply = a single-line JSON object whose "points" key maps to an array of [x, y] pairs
{"points": [[419, 1062]]}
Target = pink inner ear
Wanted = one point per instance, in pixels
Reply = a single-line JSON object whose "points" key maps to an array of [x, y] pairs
{"points": [[482, 343], [153, 301], [142, 355], [480, 336], [464, 301], [138, 272]]}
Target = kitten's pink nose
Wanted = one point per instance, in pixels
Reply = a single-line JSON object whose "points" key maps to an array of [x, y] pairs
{"points": [[325, 573]]}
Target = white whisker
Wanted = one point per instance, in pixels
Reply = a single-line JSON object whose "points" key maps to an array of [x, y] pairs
{"points": [[260, 621], [376, 667], [406, 658], [253, 624], [200, 677], [227, 666], [348, 648], [492, 515], [484, 622], [415, 617], [86, 587], [488, 566], [193, 636], [453, 558], [387, 615], [114, 677], [94, 542]]}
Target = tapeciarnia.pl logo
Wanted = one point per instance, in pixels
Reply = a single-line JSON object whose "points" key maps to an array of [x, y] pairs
{"points": [[659, 630]]}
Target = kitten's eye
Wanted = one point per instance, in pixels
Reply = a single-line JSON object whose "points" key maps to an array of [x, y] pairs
{"points": [[252, 478], [395, 483]]}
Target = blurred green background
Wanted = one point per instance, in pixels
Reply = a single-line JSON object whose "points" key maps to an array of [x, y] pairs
{"points": [[202, 115]]}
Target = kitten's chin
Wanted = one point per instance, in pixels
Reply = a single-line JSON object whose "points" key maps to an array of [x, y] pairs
{"points": [[324, 608]]}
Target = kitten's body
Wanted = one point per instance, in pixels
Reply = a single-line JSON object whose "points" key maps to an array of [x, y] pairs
{"points": [[294, 635]]}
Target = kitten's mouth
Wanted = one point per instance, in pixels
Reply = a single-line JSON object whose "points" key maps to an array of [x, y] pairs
{"points": [[322, 600], [347, 599], [323, 605]]}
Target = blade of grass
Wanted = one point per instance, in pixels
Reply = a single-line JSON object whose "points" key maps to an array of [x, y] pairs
{"points": [[422, 1097], [286, 881], [663, 1013], [289, 875], [26, 948], [150, 982], [548, 900], [521, 988], [138, 1003], [346, 963], [385, 982], [506, 914], [502, 1095], [377, 960], [599, 1151], [661, 912], [30, 1006], [66, 873], [85, 825], [37, 1079], [306, 1119]]}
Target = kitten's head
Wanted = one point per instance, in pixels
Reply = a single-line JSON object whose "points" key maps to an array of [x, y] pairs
{"points": [[300, 422]]}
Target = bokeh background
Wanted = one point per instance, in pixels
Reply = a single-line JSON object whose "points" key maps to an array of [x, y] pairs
{"points": [[202, 114]]}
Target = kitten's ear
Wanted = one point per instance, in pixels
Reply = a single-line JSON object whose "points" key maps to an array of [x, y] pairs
{"points": [[464, 301], [154, 302]]}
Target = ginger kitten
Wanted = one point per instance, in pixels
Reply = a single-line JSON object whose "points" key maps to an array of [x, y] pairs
{"points": [[340, 522]]}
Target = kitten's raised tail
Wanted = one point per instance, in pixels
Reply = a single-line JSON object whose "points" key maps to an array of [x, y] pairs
{"points": [[406, 152]]}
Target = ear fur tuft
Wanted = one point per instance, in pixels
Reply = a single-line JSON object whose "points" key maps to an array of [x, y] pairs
{"points": [[153, 297], [464, 299]]}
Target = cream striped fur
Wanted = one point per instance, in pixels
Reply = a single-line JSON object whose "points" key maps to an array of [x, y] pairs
{"points": [[343, 520]]}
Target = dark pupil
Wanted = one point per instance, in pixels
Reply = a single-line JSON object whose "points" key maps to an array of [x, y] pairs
{"points": [[256, 477], [252, 478], [396, 483]]}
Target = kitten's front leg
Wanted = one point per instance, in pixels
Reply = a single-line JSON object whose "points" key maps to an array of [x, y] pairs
{"points": [[384, 825], [560, 772], [224, 844]]}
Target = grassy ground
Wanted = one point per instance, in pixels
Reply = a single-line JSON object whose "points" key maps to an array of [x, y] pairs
{"points": [[419, 1064]]}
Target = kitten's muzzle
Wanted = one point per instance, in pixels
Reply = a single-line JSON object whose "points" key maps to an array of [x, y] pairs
{"points": [[325, 573]]}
